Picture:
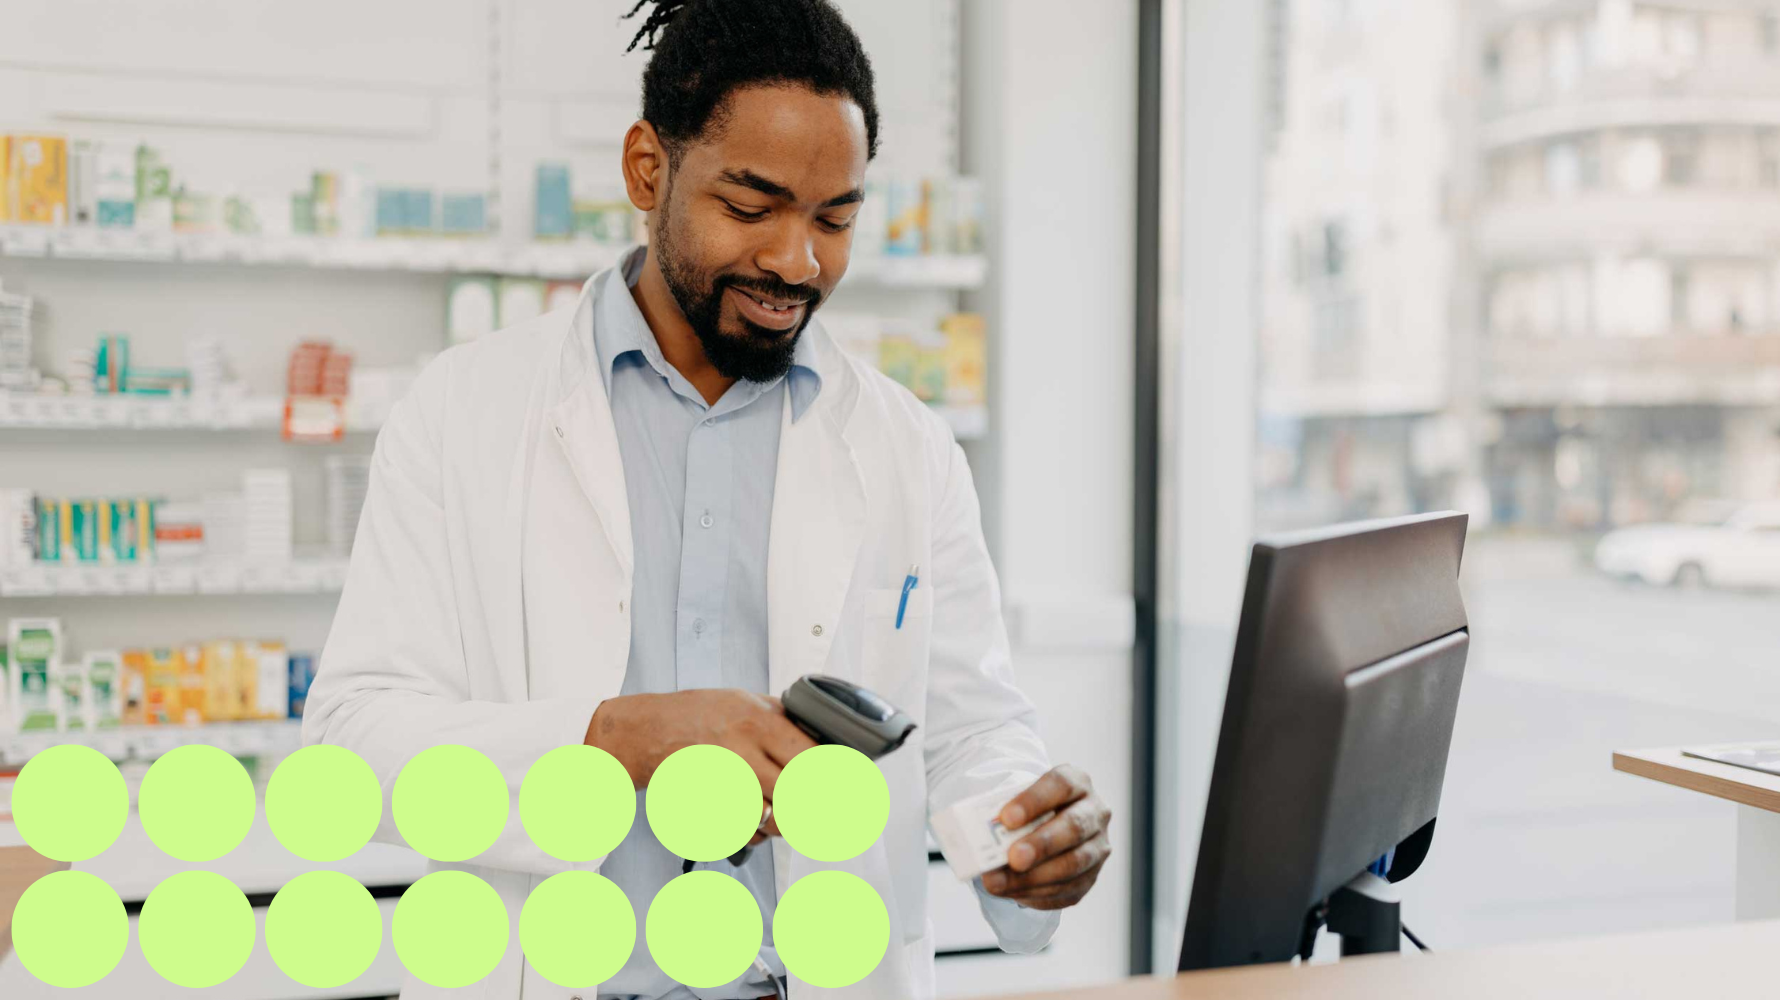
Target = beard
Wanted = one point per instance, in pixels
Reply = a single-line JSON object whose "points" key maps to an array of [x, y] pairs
{"points": [[755, 353]]}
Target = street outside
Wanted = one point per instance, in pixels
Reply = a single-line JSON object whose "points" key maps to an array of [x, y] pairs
{"points": [[1538, 837]]}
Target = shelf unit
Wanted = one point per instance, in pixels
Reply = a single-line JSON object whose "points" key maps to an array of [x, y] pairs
{"points": [[245, 739], [568, 259], [52, 411], [313, 575], [21, 411]]}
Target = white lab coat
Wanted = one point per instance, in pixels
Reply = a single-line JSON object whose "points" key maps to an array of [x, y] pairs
{"points": [[487, 606]]}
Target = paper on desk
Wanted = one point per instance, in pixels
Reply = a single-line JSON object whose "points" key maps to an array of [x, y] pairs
{"points": [[972, 838]]}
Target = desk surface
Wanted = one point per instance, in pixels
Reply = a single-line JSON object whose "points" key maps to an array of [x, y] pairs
{"points": [[1670, 766], [19, 867], [1729, 961]]}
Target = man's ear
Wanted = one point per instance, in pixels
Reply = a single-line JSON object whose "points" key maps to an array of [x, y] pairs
{"points": [[644, 163]]}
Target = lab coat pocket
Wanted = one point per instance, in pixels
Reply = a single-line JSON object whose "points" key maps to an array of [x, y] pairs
{"points": [[919, 955], [893, 660]]}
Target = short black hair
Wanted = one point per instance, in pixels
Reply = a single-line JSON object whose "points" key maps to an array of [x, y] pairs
{"points": [[705, 49]]}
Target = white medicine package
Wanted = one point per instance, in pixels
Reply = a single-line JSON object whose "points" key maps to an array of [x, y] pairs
{"points": [[972, 837]]}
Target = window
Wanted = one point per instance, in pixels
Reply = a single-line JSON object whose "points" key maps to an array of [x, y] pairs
{"points": [[1574, 358], [1681, 154], [1679, 317]]}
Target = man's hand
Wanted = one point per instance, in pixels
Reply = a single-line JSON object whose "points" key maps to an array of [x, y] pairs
{"points": [[641, 730], [1055, 865]]}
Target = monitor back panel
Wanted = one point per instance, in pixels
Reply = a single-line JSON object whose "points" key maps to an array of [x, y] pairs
{"points": [[1336, 725]]}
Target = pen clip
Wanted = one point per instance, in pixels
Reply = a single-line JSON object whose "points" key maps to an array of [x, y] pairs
{"points": [[908, 584]]}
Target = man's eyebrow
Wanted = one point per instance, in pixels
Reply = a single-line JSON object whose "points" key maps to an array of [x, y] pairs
{"points": [[750, 179], [771, 188], [852, 197]]}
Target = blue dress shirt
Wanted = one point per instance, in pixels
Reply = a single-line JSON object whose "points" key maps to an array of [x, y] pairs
{"points": [[699, 480]]}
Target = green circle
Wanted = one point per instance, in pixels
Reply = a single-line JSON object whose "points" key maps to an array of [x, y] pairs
{"points": [[831, 929], [704, 929], [196, 803], [450, 803], [577, 803], [704, 802], [69, 929], [831, 803], [323, 803], [196, 929], [69, 802], [323, 929], [577, 929], [449, 929]]}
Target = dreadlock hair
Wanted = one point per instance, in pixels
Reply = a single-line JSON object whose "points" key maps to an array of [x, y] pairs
{"points": [[705, 49]]}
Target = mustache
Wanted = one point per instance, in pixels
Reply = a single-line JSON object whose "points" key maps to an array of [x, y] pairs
{"points": [[770, 287]]}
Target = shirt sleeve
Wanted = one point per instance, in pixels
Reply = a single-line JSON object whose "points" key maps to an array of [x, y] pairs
{"points": [[982, 732]]}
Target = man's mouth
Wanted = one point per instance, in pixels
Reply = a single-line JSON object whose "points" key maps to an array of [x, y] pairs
{"points": [[776, 305], [769, 311]]}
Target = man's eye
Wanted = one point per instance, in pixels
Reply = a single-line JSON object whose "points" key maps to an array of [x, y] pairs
{"points": [[745, 215], [837, 225]]}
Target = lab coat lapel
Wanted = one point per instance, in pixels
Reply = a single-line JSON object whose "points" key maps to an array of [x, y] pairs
{"points": [[582, 426], [817, 524]]}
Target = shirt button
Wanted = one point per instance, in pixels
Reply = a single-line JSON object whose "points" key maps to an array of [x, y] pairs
{"points": [[815, 630], [707, 520], [698, 624], [621, 607]]}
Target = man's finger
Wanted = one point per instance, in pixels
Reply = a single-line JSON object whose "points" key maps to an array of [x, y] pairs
{"points": [[1064, 867], [1076, 824], [1075, 887], [1061, 900], [785, 741], [766, 769], [1057, 787]]}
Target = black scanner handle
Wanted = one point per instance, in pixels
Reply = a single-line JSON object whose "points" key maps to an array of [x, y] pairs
{"points": [[832, 711]]}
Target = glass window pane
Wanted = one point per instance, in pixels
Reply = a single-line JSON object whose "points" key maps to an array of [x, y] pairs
{"points": [[1497, 275]]}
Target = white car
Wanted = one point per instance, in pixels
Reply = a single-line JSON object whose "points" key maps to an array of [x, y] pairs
{"points": [[1741, 549]]}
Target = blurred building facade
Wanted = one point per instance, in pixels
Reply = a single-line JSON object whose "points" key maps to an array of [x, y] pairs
{"points": [[1522, 257]]}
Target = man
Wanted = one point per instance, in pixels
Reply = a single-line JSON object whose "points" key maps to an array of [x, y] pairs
{"points": [[631, 523]]}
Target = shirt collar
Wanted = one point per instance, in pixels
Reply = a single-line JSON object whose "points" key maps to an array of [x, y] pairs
{"points": [[621, 330]]}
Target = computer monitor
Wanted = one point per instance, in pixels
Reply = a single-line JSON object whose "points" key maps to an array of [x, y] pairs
{"points": [[1337, 721]]}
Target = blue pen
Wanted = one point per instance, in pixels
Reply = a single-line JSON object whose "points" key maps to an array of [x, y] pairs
{"points": [[908, 584]]}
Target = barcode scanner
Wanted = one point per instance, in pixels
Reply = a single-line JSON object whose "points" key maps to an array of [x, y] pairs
{"points": [[836, 711]]}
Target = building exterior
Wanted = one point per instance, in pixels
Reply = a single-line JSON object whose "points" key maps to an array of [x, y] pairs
{"points": [[1627, 241], [1357, 268], [1523, 257]]}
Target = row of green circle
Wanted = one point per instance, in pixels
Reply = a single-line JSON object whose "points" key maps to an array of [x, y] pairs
{"points": [[450, 803], [450, 929]]}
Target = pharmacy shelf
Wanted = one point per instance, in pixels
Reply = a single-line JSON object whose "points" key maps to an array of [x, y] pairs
{"points": [[46, 411], [298, 576], [969, 423], [568, 259], [52, 411], [245, 739]]}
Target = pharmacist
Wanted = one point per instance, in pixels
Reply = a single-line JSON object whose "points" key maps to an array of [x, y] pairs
{"points": [[630, 523]]}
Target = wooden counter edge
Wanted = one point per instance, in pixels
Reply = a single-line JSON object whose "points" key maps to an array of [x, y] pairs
{"points": [[1725, 781], [19, 867]]}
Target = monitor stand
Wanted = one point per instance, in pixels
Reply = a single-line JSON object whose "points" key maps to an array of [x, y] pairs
{"points": [[1366, 913]]}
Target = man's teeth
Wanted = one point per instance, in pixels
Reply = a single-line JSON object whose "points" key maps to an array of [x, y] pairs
{"points": [[774, 308]]}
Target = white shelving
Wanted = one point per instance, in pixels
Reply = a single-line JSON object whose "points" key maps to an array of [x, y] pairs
{"points": [[248, 738], [44, 411], [48, 411], [570, 259], [325, 575]]}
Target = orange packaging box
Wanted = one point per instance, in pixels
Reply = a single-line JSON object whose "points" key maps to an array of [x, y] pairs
{"points": [[37, 179]]}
